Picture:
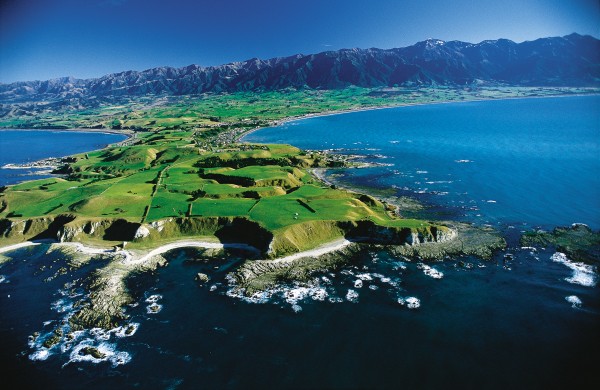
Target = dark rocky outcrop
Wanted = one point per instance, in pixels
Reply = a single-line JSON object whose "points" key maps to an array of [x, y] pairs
{"points": [[578, 242]]}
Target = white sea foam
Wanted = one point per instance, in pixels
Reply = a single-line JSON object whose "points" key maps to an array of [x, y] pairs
{"points": [[296, 308], [385, 279], [258, 297], [430, 271], [71, 342], [335, 300], [109, 352], [583, 274], [153, 308], [373, 287], [100, 334], [154, 298], [352, 296], [529, 248], [410, 302], [319, 294], [574, 301], [364, 276], [3, 279], [358, 283], [40, 354], [213, 287], [577, 224], [400, 265], [61, 305], [294, 295]]}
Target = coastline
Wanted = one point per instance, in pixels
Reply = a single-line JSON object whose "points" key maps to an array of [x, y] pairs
{"points": [[125, 132], [52, 162], [141, 256], [129, 134], [319, 174], [387, 107]]}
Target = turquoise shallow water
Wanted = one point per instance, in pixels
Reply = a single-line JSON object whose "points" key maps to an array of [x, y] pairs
{"points": [[517, 321]]}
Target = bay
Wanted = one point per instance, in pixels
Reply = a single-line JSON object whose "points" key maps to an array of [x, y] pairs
{"points": [[521, 161], [25, 146], [510, 322]]}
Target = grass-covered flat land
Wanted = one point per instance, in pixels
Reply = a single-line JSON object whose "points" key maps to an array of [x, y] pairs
{"points": [[184, 174], [246, 110], [171, 178]]}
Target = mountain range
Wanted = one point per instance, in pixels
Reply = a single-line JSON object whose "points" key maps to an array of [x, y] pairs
{"points": [[572, 60]]}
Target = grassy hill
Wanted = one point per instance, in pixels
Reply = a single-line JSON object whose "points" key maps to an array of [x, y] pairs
{"points": [[150, 190], [182, 173]]}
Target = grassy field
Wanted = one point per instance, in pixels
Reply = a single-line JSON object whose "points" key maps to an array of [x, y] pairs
{"points": [[183, 160], [159, 182], [174, 119]]}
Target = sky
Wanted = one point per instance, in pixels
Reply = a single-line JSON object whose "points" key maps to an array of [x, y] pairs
{"points": [[45, 39]]}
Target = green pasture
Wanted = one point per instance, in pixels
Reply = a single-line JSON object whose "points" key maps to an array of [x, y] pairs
{"points": [[123, 181]]}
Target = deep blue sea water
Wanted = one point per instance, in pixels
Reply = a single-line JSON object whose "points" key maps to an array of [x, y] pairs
{"points": [[504, 323], [19, 147], [534, 161]]}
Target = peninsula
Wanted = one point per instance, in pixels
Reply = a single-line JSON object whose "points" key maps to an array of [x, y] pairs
{"points": [[183, 178]]}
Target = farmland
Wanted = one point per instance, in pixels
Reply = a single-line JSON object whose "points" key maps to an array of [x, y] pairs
{"points": [[184, 173]]}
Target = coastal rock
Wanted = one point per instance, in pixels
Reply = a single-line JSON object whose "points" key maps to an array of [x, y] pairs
{"points": [[159, 225], [91, 227], [92, 351], [460, 239], [108, 292], [369, 232], [29, 227], [69, 233], [141, 233], [202, 278], [303, 236], [108, 295], [258, 275], [578, 242], [53, 339]]}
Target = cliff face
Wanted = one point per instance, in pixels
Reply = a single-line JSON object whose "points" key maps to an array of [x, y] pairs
{"points": [[293, 239]]}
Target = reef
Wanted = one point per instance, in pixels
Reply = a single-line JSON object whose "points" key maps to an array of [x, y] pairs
{"points": [[579, 242], [459, 239]]}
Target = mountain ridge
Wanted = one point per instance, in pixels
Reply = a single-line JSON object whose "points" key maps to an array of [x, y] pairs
{"points": [[572, 60]]}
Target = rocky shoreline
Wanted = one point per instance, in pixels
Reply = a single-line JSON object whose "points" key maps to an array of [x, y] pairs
{"points": [[46, 163], [578, 242], [108, 295]]}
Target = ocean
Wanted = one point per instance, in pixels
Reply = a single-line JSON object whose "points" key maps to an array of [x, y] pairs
{"points": [[528, 320], [522, 161], [22, 147]]}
